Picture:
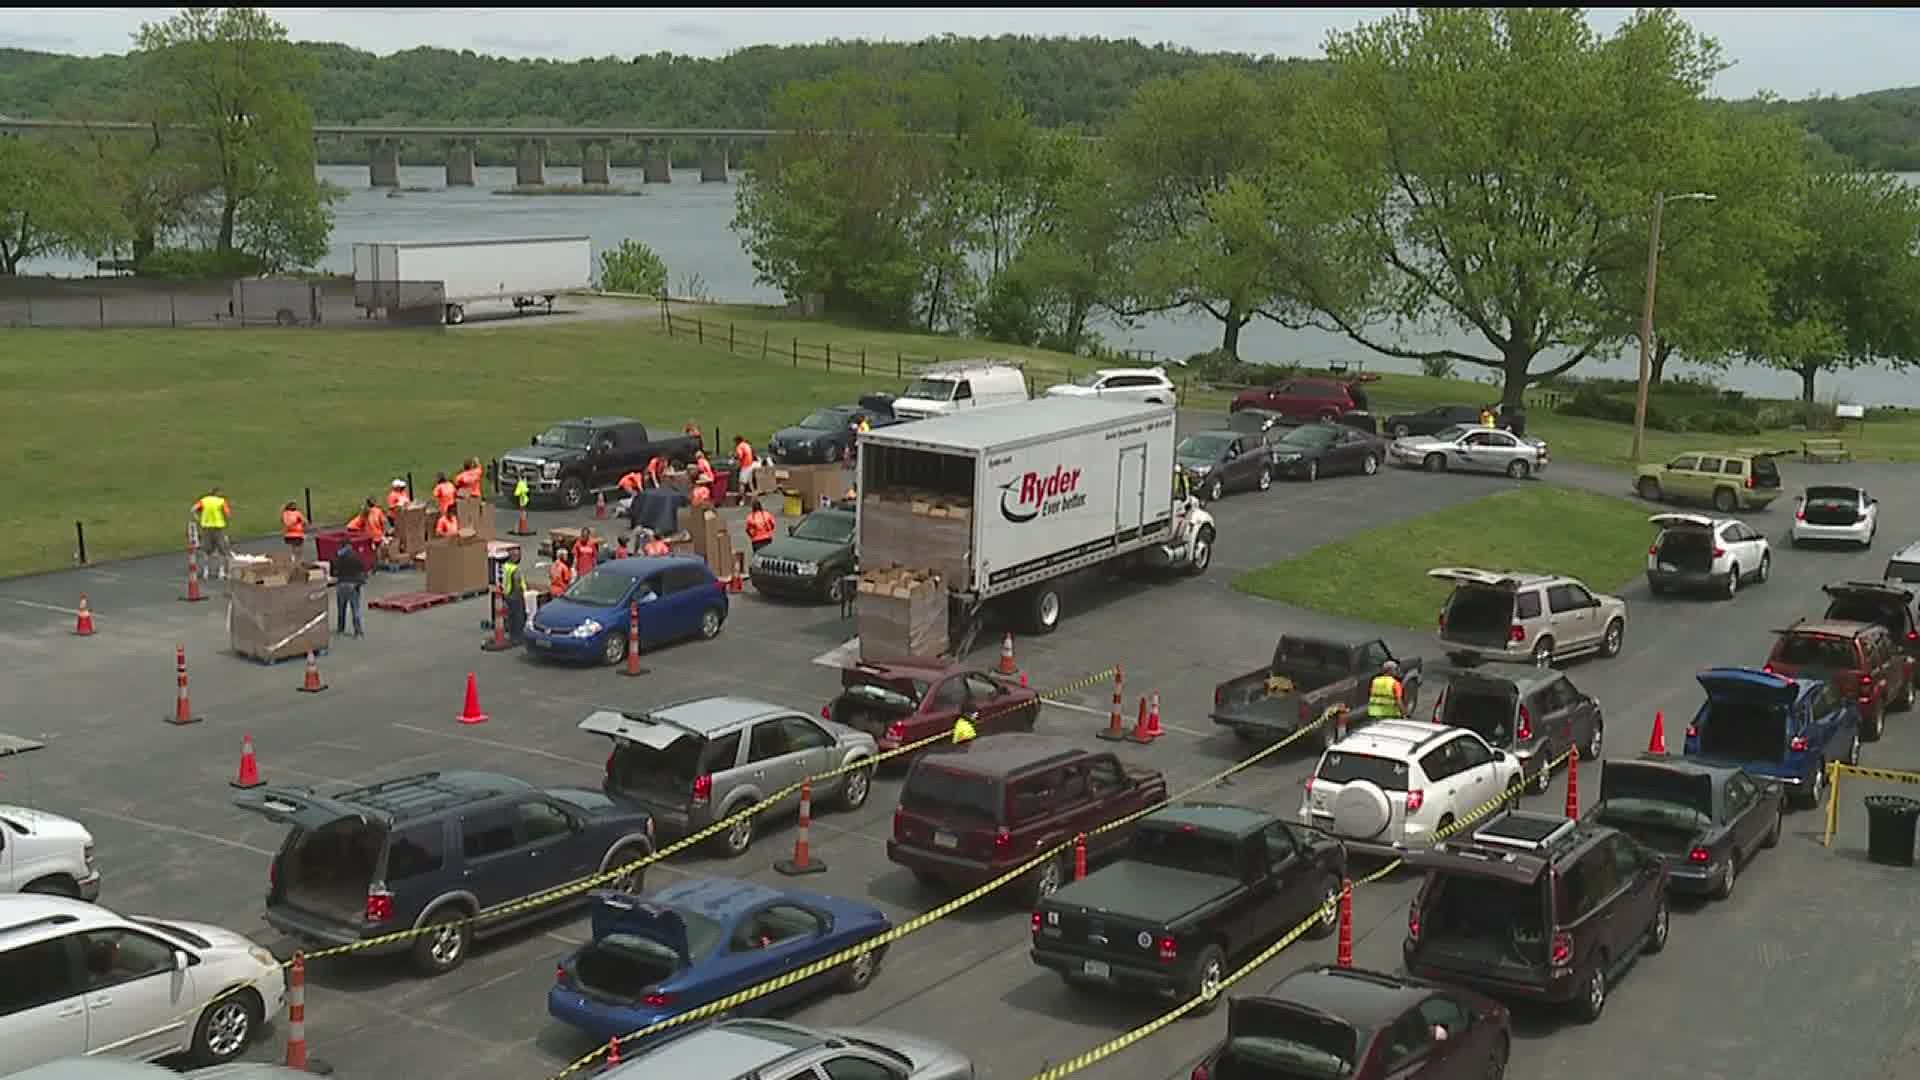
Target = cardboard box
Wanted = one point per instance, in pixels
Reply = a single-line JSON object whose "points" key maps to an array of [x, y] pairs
{"points": [[902, 613], [280, 621], [476, 513], [811, 483], [718, 551], [411, 528], [457, 564], [559, 538]]}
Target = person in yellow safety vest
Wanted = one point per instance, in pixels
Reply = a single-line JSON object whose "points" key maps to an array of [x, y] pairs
{"points": [[865, 424], [522, 494], [212, 511], [1182, 484], [963, 731], [1486, 416], [1387, 695], [514, 586]]}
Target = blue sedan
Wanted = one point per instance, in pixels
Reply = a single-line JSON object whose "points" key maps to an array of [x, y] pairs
{"points": [[678, 598], [699, 940]]}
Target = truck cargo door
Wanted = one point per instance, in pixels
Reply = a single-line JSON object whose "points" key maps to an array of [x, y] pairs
{"points": [[1130, 501]]}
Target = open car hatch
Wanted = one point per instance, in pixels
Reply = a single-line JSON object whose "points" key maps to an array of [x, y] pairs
{"points": [[1681, 521], [298, 806], [624, 913], [1470, 576], [1657, 782], [1742, 684], [653, 734]]}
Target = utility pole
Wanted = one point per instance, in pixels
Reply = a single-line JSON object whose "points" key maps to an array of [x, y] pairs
{"points": [[1646, 318]]}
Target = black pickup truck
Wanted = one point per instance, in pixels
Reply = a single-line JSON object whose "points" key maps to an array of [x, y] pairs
{"points": [[1203, 885], [573, 459], [1306, 677]]}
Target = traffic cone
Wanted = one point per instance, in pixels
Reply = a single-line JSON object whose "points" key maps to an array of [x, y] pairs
{"points": [[1080, 857], [83, 622], [738, 583], [312, 683], [1573, 785], [249, 767], [521, 527], [1658, 744], [1007, 666], [803, 861], [471, 713], [1116, 727], [1343, 949], [183, 706], [297, 1013], [194, 595], [1141, 733], [1023, 681], [600, 507], [633, 642], [613, 1050], [499, 642], [1153, 715]]}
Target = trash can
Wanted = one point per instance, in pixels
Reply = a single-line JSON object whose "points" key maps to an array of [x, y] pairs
{"points": [[1891, 824]]}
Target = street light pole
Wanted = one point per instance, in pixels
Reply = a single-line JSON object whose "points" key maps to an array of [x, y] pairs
{"points": [[1646, 318]]}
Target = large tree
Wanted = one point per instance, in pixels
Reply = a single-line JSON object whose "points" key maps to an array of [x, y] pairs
{"points": [[1850, 297], [230, 77], [1505, 156], [48, 206]]}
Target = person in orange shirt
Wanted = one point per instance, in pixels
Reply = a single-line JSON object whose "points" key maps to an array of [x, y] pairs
{"points": [[469, 481], [655, 548], [372, 521], [656, 468], [444, 495], [632, 482], [398, 497], [586, 552], [760, 526], [559, 575], [448, 523], [743, 461], [692, 429], [293, 528], [620, 549]]}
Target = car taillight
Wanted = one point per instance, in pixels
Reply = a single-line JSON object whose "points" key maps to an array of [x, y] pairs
{"points": [[1306, 714], [1750, 484], [1413, 920], [657, 999], [1800, 514], [826, 712], [609, 764], [899, 819], [1169, 948], [273, 874], [1768, 669], [1219, 697], [1003, 839], [560, 974], [1526, 725], [702, 788], [1719, 553], [1692, 732], [379, 905], [1654, 550], [1866, 681], [1700, 855], [1516, 633], [1562, 949], [1200, 1072], [1798, 745], [1309, 783], [1913, 635], [1036, 922], [1414, 800], [897, 729], [1859, 516]]}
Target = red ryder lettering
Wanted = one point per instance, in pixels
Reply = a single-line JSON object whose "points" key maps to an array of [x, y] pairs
{"points": [[1036, 489]]}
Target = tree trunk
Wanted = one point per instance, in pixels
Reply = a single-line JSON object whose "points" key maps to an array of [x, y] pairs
{"points": [[229, 209], [1513, 389], [1076, 327], [1662, 352], [1230, 334], [143, 244], [1807, 372]]}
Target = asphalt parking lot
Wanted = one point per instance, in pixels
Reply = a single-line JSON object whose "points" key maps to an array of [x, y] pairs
{"points": [[1817, 948]]}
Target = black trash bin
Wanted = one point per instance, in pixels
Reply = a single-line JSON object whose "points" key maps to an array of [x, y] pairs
{"points": [[1891, 823]]}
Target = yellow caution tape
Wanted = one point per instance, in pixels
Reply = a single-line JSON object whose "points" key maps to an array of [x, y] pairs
{"points": [[1835, 771]]}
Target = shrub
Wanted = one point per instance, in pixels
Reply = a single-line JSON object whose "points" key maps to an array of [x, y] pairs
{"points": [[1436, 367], [195, 263], [633, 268]]}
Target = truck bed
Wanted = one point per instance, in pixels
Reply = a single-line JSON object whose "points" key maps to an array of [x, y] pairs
{"points": [[1138, 893], [1243, 703]]}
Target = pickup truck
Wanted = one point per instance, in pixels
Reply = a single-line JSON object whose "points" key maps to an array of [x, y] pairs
{"points": [[1306, 677], [1202, 887], [573, 460]]}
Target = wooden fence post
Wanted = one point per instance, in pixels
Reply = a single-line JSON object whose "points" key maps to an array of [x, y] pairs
{"points": [[863, 362], [729, 338], [899, 364], [796, 352], [764, 336], [700, 328], [829, 356]]}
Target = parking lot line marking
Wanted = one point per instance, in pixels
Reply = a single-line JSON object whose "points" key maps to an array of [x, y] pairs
{"points": [[498, 744], [1052, 704], [1185, 730], [195, 833], [44, 607], [565, 940]]}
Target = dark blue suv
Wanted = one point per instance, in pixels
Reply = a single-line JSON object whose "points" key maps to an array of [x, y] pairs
{"points": [[678, 598], [1781, 728]]}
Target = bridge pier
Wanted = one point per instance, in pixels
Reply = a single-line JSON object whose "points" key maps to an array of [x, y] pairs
{"points": [[459, 162], [530, 170], [713, 162], [657, 157], [383, 165], [594, 168]]}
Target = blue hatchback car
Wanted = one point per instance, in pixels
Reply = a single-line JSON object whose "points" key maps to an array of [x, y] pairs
{"points": [[1773, 726], [695, 941], [677, 595]]}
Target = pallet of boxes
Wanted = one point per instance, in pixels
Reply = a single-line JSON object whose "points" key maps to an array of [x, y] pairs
{"points": [[276, 608], [703, 533], [914, 545], [803, 486]]}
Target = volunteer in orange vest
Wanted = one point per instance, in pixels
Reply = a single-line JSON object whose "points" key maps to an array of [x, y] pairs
{"points": [[656, 468], [702, 469], [655, 548], [702, 496], [760, 526], [559, 575], [448, 523], [372, 521], [293, 528], [620, 549], [469, 482], [444, 495], [398, 497], [632, 482], [586, 552], [743, 461], [211, 512]]}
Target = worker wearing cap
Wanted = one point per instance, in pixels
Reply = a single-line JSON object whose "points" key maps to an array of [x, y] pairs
{"points": [[398, 497], [560, 574], [467, 484], [1486, 416], [444, 495], [702, 469], [864, 426], [293, 528], [1387, 695], [963, 731], [210, 513]]}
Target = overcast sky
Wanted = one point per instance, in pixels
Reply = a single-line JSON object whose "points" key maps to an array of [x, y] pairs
{"points": [[1794, 52]]}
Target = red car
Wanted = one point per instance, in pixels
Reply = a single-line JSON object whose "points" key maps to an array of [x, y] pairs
{"points": [[903, 701], [1304, 399]]}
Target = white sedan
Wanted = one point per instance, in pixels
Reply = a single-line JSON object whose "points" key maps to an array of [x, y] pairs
{"points": [[1149, 385], [1835, 514], [1470, 448]]}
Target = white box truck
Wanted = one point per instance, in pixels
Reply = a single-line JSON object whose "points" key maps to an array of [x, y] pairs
{"points": [[1055, 485], [392, 277]]}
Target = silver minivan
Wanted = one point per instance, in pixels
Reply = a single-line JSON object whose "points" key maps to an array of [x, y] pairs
{"points": [[697, 762], [1505, 615]]}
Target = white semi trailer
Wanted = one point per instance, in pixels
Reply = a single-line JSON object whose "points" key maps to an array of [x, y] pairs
{"points": [[395, 278]]}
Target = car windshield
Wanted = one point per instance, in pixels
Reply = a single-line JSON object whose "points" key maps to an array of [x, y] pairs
{"points": [[1088, 381], [1816, 651], [826, 420], [1344, 768], [932, 389], [601, 588], [826, 527], [1908, 572], [1310, 437], [1203, 447], [573, 438]]}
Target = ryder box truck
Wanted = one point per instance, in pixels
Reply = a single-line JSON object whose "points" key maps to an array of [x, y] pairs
{"points": [[1054, 486]]}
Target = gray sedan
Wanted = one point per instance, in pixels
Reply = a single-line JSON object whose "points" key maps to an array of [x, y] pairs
{"points": [[1470, 448], [772, 1050]]}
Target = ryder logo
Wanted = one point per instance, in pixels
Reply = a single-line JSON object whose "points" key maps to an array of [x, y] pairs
{"points": [[1033, 494]]}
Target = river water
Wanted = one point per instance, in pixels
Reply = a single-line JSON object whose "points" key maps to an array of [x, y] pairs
{"points": [[687, 222]]}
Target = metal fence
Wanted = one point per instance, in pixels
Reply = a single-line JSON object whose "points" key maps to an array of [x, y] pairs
{"points": [[125, 303]]}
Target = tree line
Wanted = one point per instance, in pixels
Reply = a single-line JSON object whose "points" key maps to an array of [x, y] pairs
{"points": [[1487, 171]]}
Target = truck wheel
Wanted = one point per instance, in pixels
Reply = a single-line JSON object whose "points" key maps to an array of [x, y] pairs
{"points": [[1202, 556], [285, 317], [456, 314], [1043, 609], [1208, 972], [836, 591], [573, 493]]}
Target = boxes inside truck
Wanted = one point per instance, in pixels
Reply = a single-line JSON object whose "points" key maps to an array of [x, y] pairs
{"points": [[913, 527]]}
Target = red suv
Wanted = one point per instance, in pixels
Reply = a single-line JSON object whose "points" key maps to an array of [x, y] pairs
{"points": [[1860, 659], [971, 813], [1304, 399], [903, 701]]}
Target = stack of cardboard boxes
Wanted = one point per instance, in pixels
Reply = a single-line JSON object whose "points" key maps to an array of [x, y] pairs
{"points": [[412, 527], [476, 513], [926, 530], [277, 607], [457, 564], [706, 537], [902, 613], [810, 483]]}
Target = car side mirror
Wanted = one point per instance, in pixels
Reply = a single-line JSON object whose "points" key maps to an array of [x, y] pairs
{"points": [[181, 960], [533, 440]]}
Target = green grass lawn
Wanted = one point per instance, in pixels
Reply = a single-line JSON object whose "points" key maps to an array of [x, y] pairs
{"points": [[1381, 575]]}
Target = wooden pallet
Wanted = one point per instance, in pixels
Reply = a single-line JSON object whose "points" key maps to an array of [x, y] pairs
{"points": [[409, 602], [298, 658]]}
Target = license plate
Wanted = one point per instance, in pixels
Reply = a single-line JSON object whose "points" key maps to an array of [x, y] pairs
{"points": [[1095, 969], [541, 643], [1668, 566], [945, 840]]}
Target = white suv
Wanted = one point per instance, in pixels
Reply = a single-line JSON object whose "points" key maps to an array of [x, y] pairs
{"points": [[78, 979], [1695, 552], [1149, 385], [46, 853], [1391, 785]]}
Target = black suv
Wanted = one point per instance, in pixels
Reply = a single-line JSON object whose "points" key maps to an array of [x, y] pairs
{"points": [[1537, 715], [434, 849], [1537, 907]]}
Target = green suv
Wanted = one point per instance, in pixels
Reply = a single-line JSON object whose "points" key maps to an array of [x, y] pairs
{"points": [[1731, 480], [813, 561]]}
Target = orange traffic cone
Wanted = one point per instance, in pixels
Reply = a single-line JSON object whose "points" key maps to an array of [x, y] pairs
{"points": [[521, 528], [194, 595], [312, 683], [499, 642], [183, 706], [1141, 733], [1343, 949], [1658, 744], [471, 713], [1080, 857], [738, 583], [83, 622], [1573, 785], [600, 507], [803, 861], [1153, 715], [633, 642], [613, 1050], [249, 767], [1116, 727], [1007, 666]]}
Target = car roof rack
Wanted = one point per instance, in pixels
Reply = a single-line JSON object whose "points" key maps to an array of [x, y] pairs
{"points": [[1525, 832]]}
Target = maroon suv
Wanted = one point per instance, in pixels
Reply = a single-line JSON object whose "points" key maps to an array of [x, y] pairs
{"points": [[1304, 399]]}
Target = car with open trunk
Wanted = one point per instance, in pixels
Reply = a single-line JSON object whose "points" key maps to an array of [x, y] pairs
{"points": [[1692, 552], [1860, 658], [1776, 727], [1507, 615], [1538, 716], [903, 701], [1705, 820]]}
